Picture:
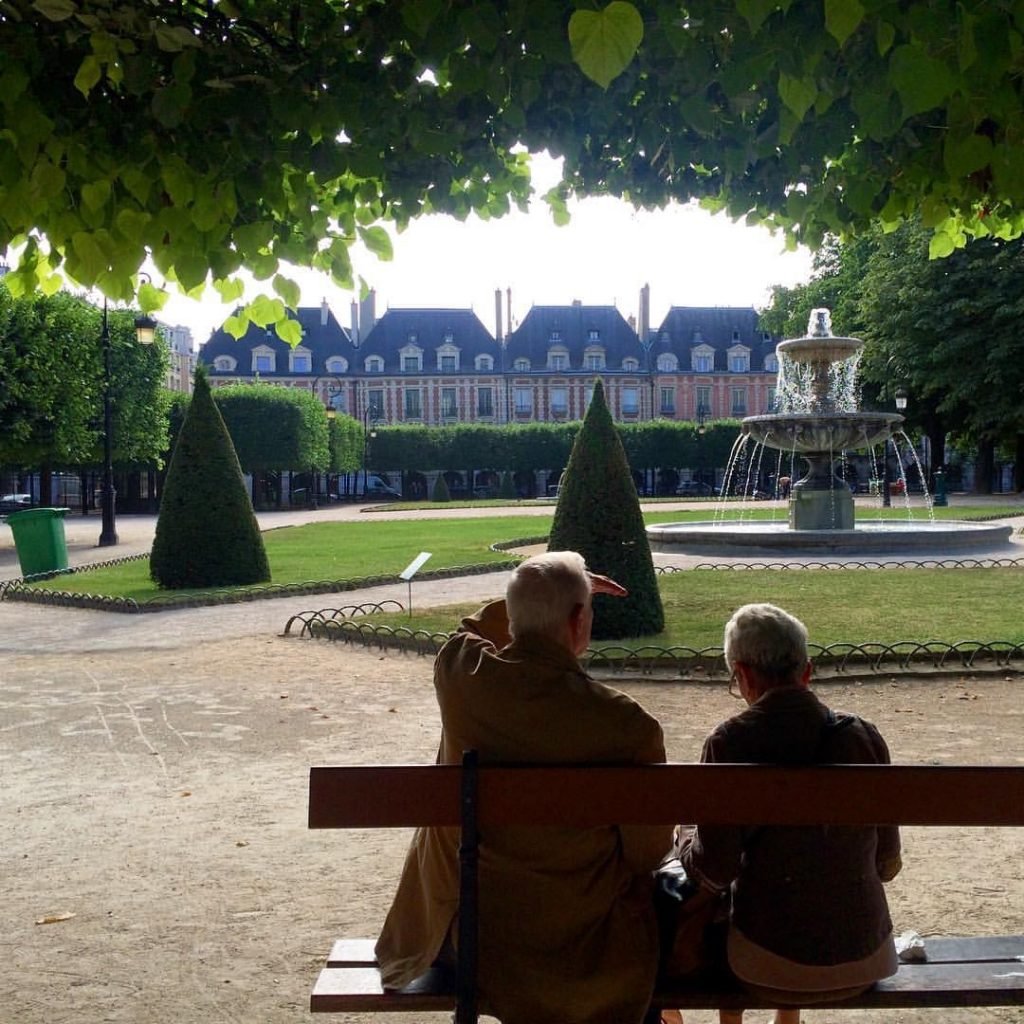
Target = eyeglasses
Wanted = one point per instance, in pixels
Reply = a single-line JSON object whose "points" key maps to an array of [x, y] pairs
{"points": [[734, 687]]}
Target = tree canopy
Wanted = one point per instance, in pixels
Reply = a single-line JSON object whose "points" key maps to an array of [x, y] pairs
{"points": [[254, 134]]}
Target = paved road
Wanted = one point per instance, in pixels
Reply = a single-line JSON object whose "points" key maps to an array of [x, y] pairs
{"points": [[31, 628]]}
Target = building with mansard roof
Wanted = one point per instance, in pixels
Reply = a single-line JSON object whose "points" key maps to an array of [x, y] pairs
{"points": [[438, 366], [712, 362], [323, 362], [554, 356]]}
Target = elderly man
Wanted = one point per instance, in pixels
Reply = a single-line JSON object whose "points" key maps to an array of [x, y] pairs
{"points": [[568, 933], [808, 910]]}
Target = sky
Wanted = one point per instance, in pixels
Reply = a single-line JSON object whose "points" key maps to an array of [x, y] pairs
{"points": [[604, 256]]}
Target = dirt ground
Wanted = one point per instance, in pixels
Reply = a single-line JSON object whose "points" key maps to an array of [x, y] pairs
{"points": [[156, 862]]}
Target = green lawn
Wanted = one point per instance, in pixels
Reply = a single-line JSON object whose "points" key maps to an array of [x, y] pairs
{"points": [[347, 550], [849, 605]]}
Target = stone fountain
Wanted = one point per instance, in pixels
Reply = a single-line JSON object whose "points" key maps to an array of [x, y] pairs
{"points": [[819, 419], [819, 424]]}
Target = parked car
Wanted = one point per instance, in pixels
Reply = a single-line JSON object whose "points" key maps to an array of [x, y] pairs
{"points": [[15, 499], [370, 487]]}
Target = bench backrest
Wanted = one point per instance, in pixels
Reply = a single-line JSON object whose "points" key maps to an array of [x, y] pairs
{"points": [[396, 796], [472, 796]]}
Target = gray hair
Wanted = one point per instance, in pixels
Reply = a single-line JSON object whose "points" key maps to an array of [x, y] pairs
{"points": [[544, 590], [769, 640]]}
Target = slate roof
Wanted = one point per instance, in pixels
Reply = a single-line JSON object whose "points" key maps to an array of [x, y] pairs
{"points": [[720, 327], [533, 338], [391, 333], [323, 340]]}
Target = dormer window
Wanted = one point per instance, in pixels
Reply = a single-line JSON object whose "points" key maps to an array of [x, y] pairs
{"points": [[667, 363], [263, 360], [300, 361], [449, 336], [225, 364], [631, 365], [411, 359], [558, 359], [374, 364], [698, 338], [739, 359], [556, 335], [771, 363], [735, 334], [337, 364], [521, 365], [593, 334], [702, 359], [448, 357], [593, 359], [484, 363], [411, 337]]}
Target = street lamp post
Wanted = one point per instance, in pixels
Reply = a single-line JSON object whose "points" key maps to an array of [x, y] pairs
{"points": [[371, 417], [702, 418], [145, 333], [901, 403]]}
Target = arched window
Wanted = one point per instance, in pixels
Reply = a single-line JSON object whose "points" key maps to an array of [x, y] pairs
{"points": [[521, 365], [374, 364], [667, 363], [484, 362], [337, 364], [631, 365], [225, 364]]}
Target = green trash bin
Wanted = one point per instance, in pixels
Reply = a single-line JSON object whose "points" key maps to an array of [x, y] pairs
{"points": [[39, 539]]}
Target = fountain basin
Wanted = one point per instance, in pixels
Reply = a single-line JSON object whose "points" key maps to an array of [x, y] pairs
{"points": [[883, 536], [819, 348], [813, 432]]}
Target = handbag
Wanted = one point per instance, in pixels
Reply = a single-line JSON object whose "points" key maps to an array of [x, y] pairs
{"points": [[688, 914]]}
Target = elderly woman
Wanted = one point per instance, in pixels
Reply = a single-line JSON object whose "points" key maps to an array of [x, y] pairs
{"points": [[808, 911]]}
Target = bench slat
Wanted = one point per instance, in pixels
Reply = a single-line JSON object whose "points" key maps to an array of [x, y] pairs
{"points": [[944, 949], [582, 796], [355, 989]]}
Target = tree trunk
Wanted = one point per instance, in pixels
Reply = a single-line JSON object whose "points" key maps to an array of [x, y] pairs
{"points": [[45, 485], [1018, 465], [985, 467]]}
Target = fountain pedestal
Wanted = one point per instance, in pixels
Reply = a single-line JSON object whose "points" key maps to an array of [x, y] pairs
{"points": [[820, 501]]}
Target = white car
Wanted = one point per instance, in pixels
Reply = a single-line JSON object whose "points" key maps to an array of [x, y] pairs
{"points": [[15, 499]]}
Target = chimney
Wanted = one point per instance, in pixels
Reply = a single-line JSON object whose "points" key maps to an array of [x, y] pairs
{"points": [[577, 304], [497, 313], [645, 313], [324, 312], [508, 308], [354, 313], [368, 313]]}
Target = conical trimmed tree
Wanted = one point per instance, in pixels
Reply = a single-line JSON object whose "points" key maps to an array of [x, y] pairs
{"points": [[598, 515], [207, 534]]}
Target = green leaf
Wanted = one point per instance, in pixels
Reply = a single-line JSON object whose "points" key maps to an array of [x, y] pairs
{"points": [[289, 331], [236, 326], [604, 42], [90, 255], [89, 73], [95, 194], [173, 39], [49, 284], [558, 206], [963, 155], [264, 310], [288, 290], [47, 180], [922, 81], [56, 10], [230, 290], [137, 183], [132, 224], [150, 297], [940, 246], [190, 270], [755, 12], [377, 240], [798, 94], [885, 36], [842, 18]]}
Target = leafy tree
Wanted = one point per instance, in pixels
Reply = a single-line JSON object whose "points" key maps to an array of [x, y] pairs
{"points": [[275, 428], [507, 489], [598, 515], [52, 384], [346, 444], [225, 136], [206, 534]]}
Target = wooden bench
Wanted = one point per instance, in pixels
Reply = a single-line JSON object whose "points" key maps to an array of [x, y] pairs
{"points": [[975, 971]]}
